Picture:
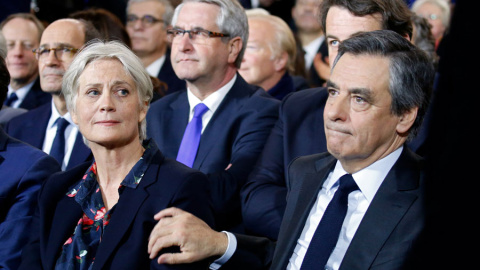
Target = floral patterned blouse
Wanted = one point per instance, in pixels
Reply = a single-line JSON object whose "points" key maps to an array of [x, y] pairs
{"points": [[79, 250]]}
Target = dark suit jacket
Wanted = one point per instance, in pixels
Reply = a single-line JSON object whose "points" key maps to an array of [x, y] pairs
{"points": [[388, 237], [23, 168], [235, 135], [30, 127], [35, 97], [168, 76], [124, 243], [299, 131]]}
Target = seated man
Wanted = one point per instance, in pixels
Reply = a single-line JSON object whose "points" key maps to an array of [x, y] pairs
{"points": [[269, 59], [359, 206], [299, 130], [23, 169]]}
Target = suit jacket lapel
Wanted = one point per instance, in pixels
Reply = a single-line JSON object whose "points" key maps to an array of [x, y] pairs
{"points": [[300, 205], [217, 127], [38, 125], [126, 209], [386, 210], [176, 119], [65, 216]]}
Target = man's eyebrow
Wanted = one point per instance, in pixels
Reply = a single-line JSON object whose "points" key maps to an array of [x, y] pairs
{"points": [[61, 44], [331, 84]]}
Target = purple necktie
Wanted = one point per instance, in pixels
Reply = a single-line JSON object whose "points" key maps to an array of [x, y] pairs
{"points": [[191, 137], [326, 235]]}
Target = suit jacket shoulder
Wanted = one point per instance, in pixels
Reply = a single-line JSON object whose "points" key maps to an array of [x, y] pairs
{"points": [[30, 127], [35, 97], [18, 194]]}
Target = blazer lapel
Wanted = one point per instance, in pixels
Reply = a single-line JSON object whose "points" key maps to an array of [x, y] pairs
{"points": [[220, 121], [176, 119], [386, 210], [299, 206], [65, 216], [38, 125], [126, 209]]}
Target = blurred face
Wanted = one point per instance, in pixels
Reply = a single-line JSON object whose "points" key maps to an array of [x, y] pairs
{"points": [[258, 63], [306, 17], [21, 36], [434, 16], [341, 24], [107, 109], [62, 33], [200, 59], [147, 38], [359, 125]]}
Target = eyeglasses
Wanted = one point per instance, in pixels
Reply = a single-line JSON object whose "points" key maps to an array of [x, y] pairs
{"points": [[146, 20], [61, 53], [196, 35]]}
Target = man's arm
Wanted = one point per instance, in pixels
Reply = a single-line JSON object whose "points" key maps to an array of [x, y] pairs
{"points": [[197, 241], [14, 230]]}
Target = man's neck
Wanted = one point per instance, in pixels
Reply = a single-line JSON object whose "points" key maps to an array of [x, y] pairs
{"points": [[307, 37], [16, 84], [148, 59], [202, 89], [60, 104]]}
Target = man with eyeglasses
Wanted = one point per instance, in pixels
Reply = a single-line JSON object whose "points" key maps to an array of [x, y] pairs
{"points": [[232, 118], [50, 127], [147, 22], [22, 33]]}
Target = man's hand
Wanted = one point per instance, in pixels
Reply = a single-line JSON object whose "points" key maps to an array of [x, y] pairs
{"points": [[197, 241]]}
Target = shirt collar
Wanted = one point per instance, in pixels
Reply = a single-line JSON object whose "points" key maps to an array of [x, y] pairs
{"points": [[368, 179], [154, 68], [214, 99], [20, 92], [55, 114]]}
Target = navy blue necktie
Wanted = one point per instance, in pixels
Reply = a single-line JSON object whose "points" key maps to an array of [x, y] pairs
{"points": [[12, 98], [58, 146], [191, 138], [326, 235]]}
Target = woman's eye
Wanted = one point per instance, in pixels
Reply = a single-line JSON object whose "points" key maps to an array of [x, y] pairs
{"points": [[123, 92], [93, 92]]}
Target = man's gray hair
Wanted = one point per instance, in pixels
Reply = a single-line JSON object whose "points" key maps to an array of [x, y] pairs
{"points": [[231, 20], [411, 70]]}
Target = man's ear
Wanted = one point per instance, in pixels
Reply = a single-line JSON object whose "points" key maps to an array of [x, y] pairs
{"points": [[234, 47], [280, 63], [407, 120]]}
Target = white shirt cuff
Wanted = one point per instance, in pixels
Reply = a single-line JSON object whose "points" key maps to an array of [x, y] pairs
{"points": [[232, 246]]}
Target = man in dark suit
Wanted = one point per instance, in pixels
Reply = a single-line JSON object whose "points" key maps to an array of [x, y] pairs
{"points": [[147, 22], [38, 127], [22, 33], [238, 117], [300, 129], [369, 114], [23, 168]]}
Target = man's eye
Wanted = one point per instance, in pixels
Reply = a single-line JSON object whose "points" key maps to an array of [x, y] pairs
{"points": [[334, 43], [359, 100]]}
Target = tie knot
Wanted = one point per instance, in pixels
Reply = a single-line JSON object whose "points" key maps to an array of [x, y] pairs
{"points": [[347, 184], [199, 110], [62, 124], [12, 98]]}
